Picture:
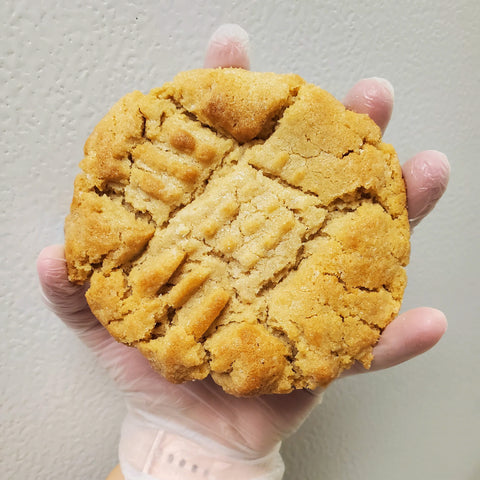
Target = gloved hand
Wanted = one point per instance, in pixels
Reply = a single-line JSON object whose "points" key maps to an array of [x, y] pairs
{"points": [[195, 430]]}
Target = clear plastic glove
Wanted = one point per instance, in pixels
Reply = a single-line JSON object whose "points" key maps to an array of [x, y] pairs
{"points": [[195, 430]]}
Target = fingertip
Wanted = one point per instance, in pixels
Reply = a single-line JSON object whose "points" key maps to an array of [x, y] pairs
{"points": [[441, 160], [373, 96], [432, 164], [49, 255], [431, 328], [409, 335], [53, 275], [384, 88], [426, 176], [228, 47]]}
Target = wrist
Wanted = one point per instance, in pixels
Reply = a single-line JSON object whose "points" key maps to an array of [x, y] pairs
{"points": [[149, 451]]}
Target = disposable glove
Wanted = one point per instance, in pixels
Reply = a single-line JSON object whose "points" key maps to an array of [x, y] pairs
{"points": [[195, 430]]}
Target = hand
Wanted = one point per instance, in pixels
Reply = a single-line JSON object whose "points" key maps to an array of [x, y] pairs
{"points": [[196, 426]]}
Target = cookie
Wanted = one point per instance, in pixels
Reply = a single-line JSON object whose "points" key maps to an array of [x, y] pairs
{"points": [[240, 225]]}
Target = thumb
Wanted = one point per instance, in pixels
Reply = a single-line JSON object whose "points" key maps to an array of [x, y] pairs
{"points": [[67, 300]]}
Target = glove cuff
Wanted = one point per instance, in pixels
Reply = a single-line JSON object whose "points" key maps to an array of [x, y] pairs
{"points": [[154, 452]]}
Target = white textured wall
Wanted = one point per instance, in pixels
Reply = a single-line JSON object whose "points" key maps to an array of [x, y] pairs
{"points": [[63, 64]]}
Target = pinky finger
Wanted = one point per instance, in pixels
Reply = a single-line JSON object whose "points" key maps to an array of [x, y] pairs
{"points": [[409, 335]]}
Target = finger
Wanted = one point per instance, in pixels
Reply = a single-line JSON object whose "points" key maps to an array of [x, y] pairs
{"points": [[68, 302], [426, 176], [373, 96], [65, 299], [228, 47], [408, 336]]}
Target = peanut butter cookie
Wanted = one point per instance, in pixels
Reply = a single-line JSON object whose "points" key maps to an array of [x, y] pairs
{"points": [[240, 225]]}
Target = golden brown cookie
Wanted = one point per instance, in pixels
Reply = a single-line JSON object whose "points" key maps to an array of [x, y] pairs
{"points": [[240, 225]]}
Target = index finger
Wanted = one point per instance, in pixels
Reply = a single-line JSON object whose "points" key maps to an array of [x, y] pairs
{"points": [[228, 47]]}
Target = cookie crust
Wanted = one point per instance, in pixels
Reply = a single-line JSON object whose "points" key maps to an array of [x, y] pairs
{"points": [[241, 225]]}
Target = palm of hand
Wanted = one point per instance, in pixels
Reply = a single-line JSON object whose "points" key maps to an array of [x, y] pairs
{"points": [[251, 424]]}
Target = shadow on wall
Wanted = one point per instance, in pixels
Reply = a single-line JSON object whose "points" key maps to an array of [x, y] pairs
{"points": [[475, 475]]}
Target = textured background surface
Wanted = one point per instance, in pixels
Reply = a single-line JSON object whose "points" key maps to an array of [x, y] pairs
{"points": [[62, 67]]}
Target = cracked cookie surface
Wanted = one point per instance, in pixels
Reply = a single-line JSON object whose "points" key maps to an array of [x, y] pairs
{"points": [[240, 225]]}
